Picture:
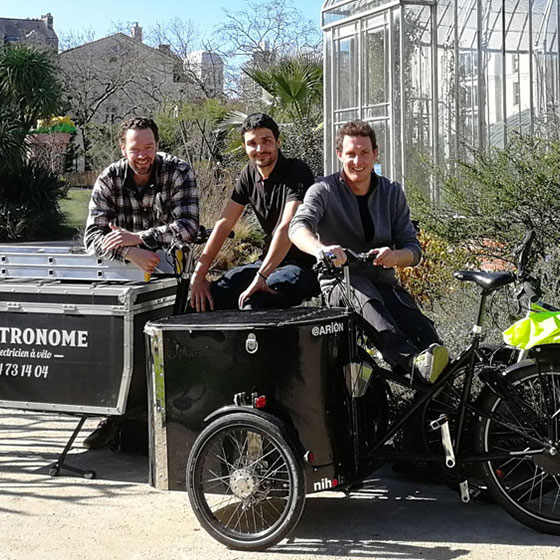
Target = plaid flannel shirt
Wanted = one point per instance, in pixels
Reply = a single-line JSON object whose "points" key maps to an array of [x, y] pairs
{"points": [[115, 199]]}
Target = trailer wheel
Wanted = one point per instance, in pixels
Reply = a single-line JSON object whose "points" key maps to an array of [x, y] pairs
{"points": [[244, 482]]}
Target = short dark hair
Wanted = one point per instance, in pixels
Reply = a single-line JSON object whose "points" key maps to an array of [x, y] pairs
{"points": [[259, 120], [355, 128], [138, 123]]}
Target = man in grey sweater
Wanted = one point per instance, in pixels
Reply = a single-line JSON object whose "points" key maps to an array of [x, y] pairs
{"points": [[359, 210]]}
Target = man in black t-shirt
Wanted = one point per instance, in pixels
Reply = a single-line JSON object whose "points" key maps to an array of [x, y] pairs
{"points": [[274, 187]]}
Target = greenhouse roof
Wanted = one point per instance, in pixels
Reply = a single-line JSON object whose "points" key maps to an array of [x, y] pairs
{"points": [[515, 21]]}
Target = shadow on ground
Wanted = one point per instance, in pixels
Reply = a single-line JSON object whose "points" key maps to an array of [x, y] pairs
{"points": [[378, 522]]}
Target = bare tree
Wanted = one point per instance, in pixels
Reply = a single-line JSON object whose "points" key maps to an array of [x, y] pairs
{"points": [[75, 38], [117, 76], [201, 67], [113, 78], [261, 34], [267, 29]]}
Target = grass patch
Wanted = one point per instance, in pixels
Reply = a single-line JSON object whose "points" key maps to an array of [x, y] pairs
{"points": [[75, 209]]}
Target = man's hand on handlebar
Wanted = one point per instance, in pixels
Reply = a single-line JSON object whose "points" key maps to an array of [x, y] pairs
{"points": [[335, 254], [201, 297], [385, 257], [143, 259]]}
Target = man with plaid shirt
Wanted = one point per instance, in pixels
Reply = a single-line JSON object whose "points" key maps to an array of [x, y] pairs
{"points": [[122, 222]]}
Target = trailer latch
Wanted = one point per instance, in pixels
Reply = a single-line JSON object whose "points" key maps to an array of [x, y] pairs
{"points": [[251, 344]]}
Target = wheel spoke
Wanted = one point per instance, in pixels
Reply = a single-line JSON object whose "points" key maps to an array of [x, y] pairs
{"points": [[523, 423], [246, 484]]}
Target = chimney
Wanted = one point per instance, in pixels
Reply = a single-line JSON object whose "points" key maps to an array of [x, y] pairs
{"points": [[165, 49], [137, 32], [48, 19]]}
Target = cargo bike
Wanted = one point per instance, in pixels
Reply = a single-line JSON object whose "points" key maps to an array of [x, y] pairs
{"points": [[251, 411]]}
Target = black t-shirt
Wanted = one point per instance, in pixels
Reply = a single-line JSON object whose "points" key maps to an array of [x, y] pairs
{"points": [[365, 213], [288, 182]]}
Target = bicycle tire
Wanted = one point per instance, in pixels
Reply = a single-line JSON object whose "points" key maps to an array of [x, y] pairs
{"points": [[244, 482], [525, 486]]}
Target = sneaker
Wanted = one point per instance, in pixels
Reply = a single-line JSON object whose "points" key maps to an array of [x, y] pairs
{"points": [[431, 362], [104, 435]]}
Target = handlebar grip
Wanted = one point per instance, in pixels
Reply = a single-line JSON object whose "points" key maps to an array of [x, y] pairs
{"points": [[522, 252], [529, 236], [530, 292]]}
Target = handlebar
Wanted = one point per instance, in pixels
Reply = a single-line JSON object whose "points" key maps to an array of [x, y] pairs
{"points": [[522, 252], [326, 264], [529, 288], [180, 252]]}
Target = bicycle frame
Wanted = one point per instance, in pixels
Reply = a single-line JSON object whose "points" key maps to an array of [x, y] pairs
{"points": [[467, 361]]}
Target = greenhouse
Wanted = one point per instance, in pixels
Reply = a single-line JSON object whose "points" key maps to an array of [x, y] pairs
{"points": [[437, 78]]}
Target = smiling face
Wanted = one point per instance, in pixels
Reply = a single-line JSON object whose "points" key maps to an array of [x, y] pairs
{"points": [[139, 148], [262, 149], [357, 157]]}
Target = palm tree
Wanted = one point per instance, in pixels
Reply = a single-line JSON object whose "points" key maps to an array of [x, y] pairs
{"points": [[29, 90], [293, 87], [29, 194]]}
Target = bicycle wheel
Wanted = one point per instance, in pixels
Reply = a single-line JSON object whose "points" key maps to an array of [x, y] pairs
{"points": [[525, 484], [245, 485]]}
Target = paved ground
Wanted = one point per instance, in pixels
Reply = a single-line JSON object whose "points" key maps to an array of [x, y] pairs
{"points": [[119, 516]]}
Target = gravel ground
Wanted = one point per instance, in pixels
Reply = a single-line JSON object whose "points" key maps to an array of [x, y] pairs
{"points": [[119, 516]]}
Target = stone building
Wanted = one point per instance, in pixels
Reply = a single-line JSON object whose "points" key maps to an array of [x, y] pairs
{"points": [[119, 76], [36, 31]]}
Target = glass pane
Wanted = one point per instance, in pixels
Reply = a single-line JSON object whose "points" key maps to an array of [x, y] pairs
{"points": [[418, 81], [376, 66], [382, 135], [545, 78], [346, 73], [342, 9]]}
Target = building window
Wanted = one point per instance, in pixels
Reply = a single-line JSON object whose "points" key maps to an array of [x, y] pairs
{"points": [[110, 114], [516, 93], [515, 63]]}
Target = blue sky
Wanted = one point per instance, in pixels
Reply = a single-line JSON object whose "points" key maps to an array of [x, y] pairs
{"points": [[100, 14]]}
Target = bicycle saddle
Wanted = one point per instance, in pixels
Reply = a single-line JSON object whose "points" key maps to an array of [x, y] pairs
{"points": [[486, 280]]}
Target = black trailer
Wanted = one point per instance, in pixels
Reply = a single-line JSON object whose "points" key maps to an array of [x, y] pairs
{"points": [[71, 330]]}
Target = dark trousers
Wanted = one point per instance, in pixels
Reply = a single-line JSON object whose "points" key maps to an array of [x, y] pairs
{"points": [[292, 284], [392, 320]]}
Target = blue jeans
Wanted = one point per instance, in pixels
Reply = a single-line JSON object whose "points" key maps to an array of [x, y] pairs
{"points": [[292, 285]]}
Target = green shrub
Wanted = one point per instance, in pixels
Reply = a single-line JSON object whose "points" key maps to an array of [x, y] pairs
{"points": [[30, 197], [488, 203], [432, 279]]}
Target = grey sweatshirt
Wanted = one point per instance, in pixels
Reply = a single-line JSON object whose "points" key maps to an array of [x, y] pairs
{"points": [[330, 210]]}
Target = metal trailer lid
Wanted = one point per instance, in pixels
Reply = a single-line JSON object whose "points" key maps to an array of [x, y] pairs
{"points": [[18, 286], [67, 262], [240, 320]]}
